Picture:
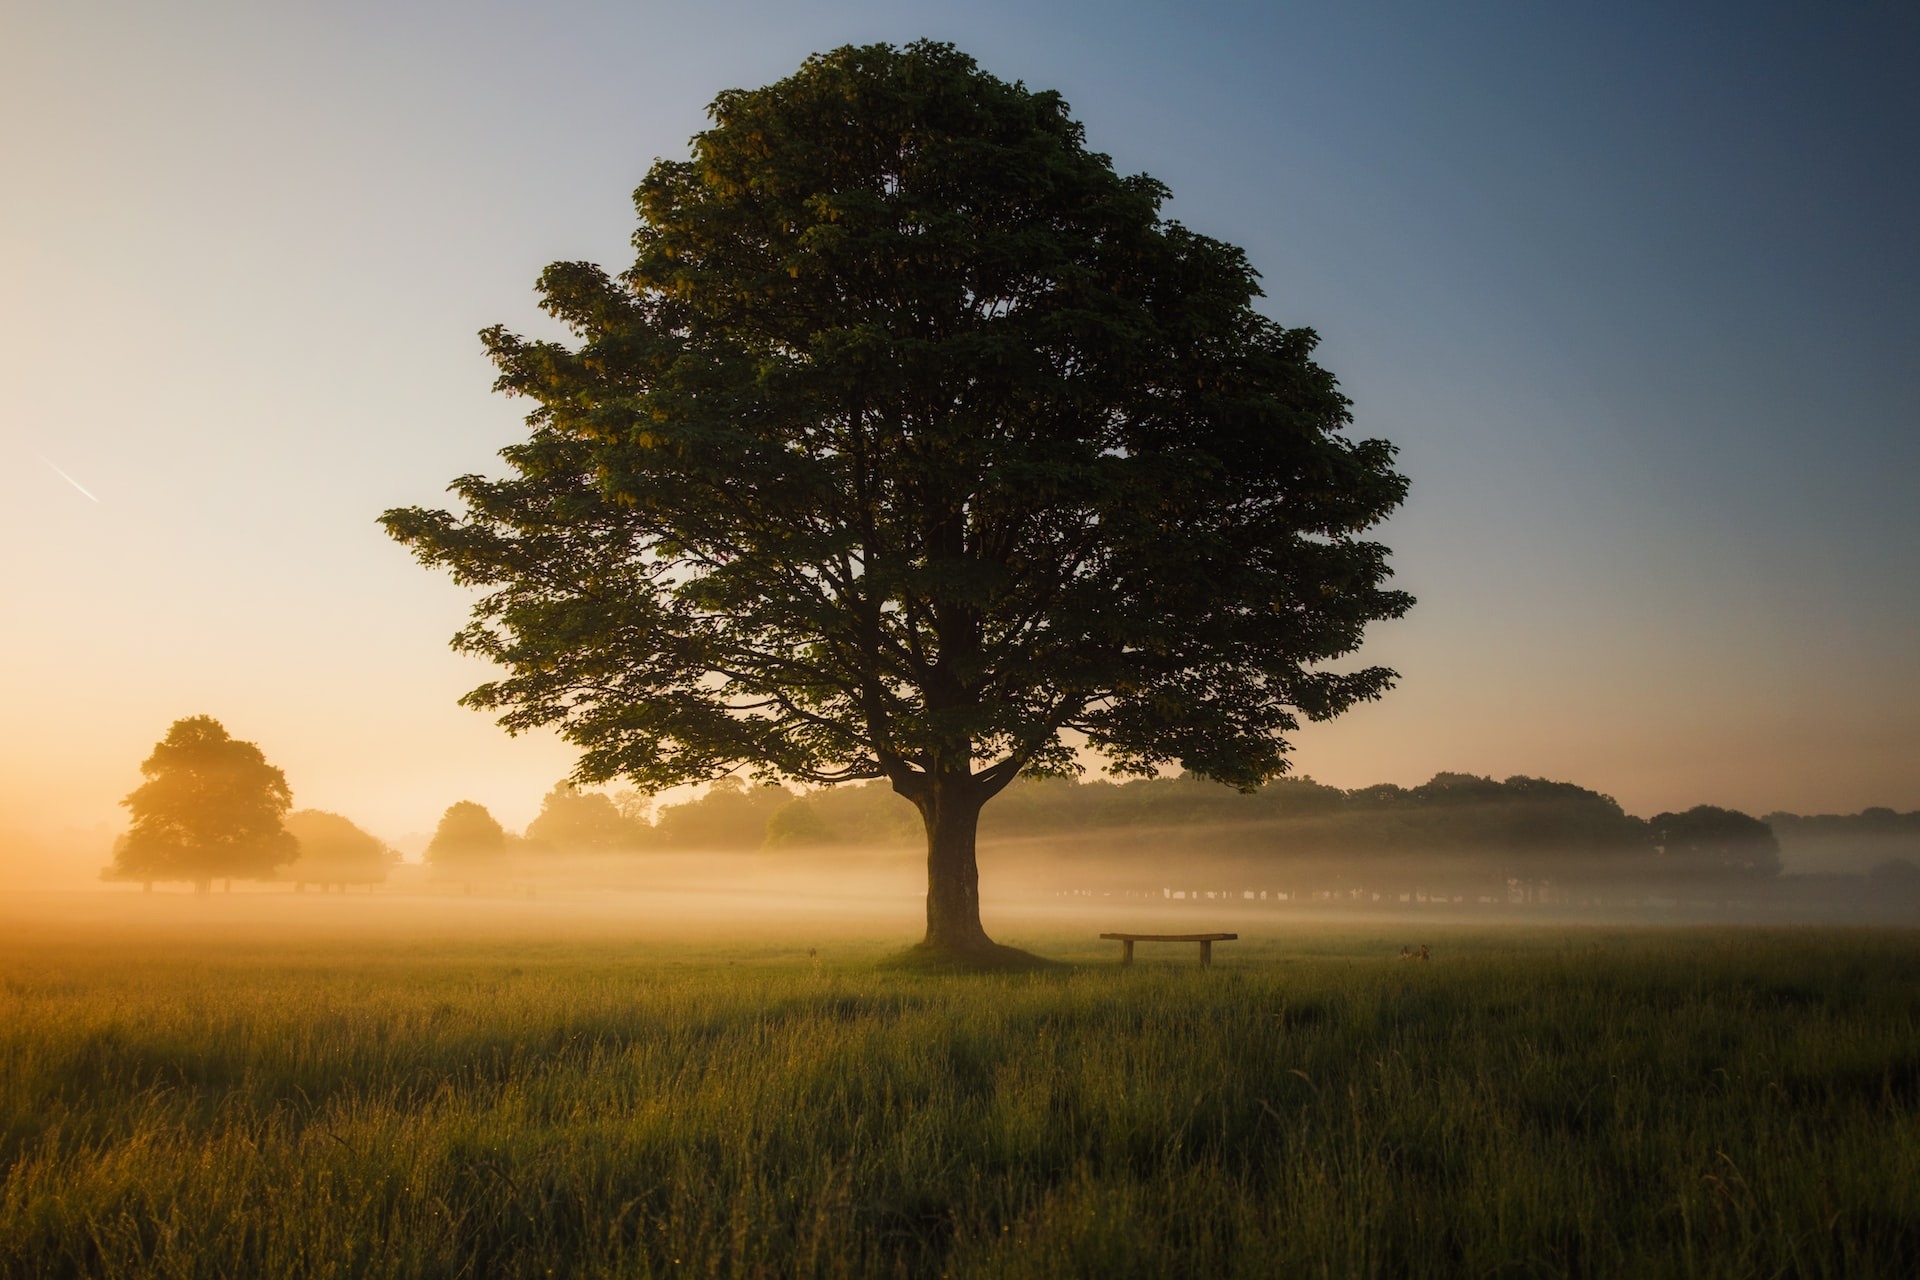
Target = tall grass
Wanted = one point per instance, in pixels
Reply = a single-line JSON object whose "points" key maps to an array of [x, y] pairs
{"points": [[1705, 1104]]}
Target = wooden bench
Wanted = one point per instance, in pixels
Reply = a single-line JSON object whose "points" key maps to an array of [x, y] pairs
{"points": [[1206, 941]]}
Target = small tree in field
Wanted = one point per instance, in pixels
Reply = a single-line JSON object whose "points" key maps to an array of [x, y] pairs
{"points": [[917, 445], [333, 850], [211, 808], [469, 842]]}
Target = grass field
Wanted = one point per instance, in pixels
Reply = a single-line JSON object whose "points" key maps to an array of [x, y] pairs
{"points": [[1584, 1102]]}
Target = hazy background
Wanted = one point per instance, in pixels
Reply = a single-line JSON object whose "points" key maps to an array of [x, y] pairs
{"points": [[1634, 292]]}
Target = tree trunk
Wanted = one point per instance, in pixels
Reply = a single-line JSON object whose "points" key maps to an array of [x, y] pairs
{"points": [[202, 887], [950, 808], [949, 805]]}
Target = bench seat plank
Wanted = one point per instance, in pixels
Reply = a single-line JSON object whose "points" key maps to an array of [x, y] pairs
{"points": [[1171, 937], [1206, 941]]}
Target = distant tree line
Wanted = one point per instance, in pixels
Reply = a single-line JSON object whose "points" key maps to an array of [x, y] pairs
{"points": [[1879, 842], [1523, 823], [212, 808], [1871, 823]]}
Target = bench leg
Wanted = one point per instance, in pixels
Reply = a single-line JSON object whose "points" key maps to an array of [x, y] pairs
{"points": [[1206, 955], [1126, 951]]}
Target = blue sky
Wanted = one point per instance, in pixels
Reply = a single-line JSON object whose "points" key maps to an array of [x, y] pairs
{"points": [[1632, 286]]}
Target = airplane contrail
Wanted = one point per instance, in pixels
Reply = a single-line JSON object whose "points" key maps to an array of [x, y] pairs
{"points": [[64, 476]]}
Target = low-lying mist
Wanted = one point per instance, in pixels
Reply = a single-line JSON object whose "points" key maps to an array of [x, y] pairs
{"points": [[1165, 854]]}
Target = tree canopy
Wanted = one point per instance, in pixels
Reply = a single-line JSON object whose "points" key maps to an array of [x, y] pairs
{"points": [[1712, 840], [916, 444], [467, 839], [333, 850], [572, 820], [730, 816], [211, 808]]}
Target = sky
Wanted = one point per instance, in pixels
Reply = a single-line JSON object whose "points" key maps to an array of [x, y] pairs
{"points": [[1631, 286]]}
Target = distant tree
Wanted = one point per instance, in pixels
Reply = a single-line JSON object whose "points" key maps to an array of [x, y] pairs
{"points": [[855, 813], [1456, 789], [1045, 805], [731, 815], [1300, 797], [1878, 820], [634, 805], [1846, 842], [334, 851], [917, 444], [211, 808], [468, 842], [1710, 840], [586, 822], [1539, 816], [798, 823], [1381, 795]]}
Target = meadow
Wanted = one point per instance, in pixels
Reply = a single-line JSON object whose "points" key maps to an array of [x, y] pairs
{"points": [[429, 1099]]}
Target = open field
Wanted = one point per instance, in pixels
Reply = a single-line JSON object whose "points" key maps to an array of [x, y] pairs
{"points": [[314, 1087]]}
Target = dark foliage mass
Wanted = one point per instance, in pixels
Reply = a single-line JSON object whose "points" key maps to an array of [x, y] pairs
{"points": [[1453, 811], [1872, 822], [1524, 824], [1717, 839], [913, 440], [1458, 825]]}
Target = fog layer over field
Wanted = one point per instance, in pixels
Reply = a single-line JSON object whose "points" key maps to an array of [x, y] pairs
{"points": [[1166, 854]]}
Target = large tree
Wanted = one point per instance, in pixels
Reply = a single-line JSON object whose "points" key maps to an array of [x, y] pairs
{"points": [[211, 808], [916, 444]]}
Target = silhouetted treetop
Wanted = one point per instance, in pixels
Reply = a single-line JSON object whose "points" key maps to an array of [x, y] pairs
{"points": [[1717, 840], [1877, 820], [913, 441]]}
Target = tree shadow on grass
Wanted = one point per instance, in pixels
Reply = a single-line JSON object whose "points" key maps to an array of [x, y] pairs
{"points": [[925, 957]]}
